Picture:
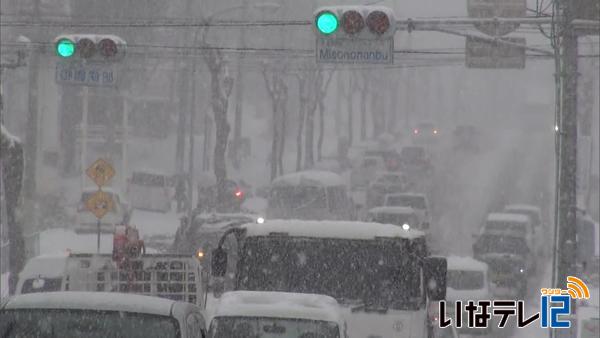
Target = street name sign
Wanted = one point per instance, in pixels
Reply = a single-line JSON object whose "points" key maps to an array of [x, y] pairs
{"points": [[349, 50], [86, 74], [482, 53]]}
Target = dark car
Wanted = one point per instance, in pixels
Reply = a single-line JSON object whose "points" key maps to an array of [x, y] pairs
{"points": [[415, 160], [467, 137], [425, 133], [235, 195], [510, 262]]}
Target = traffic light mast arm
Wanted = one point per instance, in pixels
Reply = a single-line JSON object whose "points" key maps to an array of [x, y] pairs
{"points": [[495, 40]]}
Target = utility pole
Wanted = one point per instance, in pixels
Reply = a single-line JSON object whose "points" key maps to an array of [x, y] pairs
{"points": [[567, 134], [31, 132]]}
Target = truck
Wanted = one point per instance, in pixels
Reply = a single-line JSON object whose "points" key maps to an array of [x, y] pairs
{"points": [[171, 276], [381, 275]]}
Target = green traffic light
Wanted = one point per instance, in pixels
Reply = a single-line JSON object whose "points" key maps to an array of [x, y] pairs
{"points": [[65, 48], [327, 22]]}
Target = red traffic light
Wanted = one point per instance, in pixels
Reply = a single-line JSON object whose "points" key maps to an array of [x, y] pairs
{"points": [[108, 48], [239, 193], [86, 48], [378, 22], [352, 22]]}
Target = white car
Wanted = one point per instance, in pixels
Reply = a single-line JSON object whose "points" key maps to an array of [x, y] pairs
{"points": [[418, 202], [98, 314], [87, 221], [405, 217], [260, 314], [466, 279]]}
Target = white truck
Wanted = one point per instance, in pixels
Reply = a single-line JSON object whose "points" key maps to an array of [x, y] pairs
{"points": [[176, 277], [381, 275]]}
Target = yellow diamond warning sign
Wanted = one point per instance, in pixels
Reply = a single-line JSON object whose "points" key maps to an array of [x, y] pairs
{"points": [[100, 172], [99, 204]]}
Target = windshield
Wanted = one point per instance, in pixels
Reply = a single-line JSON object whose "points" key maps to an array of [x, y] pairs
{"points": [[259, 327], [412, 153], [50, 323], [416, 202], [465, 280], [501, 244], [298, 197], [506, 226], [396, 219], [41, 285], [374, 272]]}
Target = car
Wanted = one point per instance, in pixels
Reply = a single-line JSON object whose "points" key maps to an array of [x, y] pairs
{"points": [[467, 279], [405, 217], [99, 314], [466, 137], [386, 183], [86, 221], [418, 202], [425, 133], [510, 262], [235, 195], [516, 224], [150, 191], [365, 170], [267, 314], [391, 159], [540, 230], [415, 160]]}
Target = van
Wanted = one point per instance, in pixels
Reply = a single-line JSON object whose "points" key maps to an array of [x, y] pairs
{"points": [[261, 314], [150, 191]]}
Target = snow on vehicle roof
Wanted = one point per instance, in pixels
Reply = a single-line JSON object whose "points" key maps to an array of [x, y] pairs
{"points": [[405, 194], [507, 217], [525, 207], [465, 263], [278, 305], [310, 177], [330, 229], [102, 301], [392, 210], [48, 266]]}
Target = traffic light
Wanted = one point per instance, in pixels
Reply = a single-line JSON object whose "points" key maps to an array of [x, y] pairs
{"points": [[90, 47], [356, 22]]}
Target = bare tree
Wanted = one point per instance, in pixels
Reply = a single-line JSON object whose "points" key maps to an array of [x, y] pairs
{"points": [[312, 90], [278, 91], [221, 86], [364, 91], [348, 92], [321, 105]]}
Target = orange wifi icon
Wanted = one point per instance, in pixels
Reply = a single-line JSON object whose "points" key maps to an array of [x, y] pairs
{"points": [[577, 289]]}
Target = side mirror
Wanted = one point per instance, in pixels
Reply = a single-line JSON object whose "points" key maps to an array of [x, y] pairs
{"points": [[219, 262], [435, 269]]}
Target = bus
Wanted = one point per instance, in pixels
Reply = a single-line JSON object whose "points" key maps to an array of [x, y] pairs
{"points": [[309, 195], [381, 275]]}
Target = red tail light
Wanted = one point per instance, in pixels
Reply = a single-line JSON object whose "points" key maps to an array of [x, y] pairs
{"points": [[239, 193]]}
